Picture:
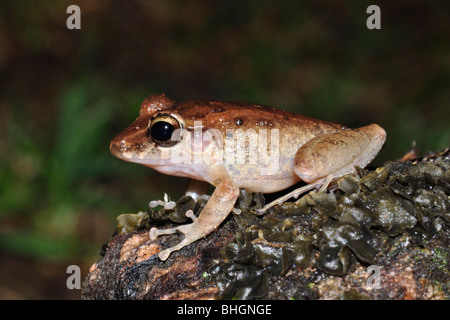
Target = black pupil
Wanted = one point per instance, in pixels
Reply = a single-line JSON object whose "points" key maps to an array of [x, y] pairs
{"points": [[162, 131]]}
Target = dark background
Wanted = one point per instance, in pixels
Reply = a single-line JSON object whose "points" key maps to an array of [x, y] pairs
{"points": [[65, 93]]}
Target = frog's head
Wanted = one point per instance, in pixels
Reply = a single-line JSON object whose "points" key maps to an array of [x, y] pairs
{"points": [[152, 137]]}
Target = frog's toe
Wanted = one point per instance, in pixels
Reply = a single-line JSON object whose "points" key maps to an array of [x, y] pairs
{"points": [[166, 203], [164, 255], [260, 211], [190, 214], [236, 211], [155, 232]]}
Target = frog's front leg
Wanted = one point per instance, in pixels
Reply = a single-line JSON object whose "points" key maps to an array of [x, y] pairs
{"points": [[213, 214], [331, 156]]}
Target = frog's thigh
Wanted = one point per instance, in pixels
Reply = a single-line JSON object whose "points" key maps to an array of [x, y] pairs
{"points": [[331, 156], [334, 155]]}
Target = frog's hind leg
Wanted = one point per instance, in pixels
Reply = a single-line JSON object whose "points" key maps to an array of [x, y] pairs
{"points": [[329, 157], [293, 194]]}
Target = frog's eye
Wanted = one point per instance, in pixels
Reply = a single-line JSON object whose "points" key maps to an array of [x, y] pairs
{"points": [[164, 130]]}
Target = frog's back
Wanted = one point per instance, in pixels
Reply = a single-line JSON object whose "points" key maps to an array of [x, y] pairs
{"points": [[293, 131], [238, 115]]}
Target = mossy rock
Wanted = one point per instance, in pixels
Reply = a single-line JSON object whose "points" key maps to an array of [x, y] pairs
{"points": [[395, 218]]}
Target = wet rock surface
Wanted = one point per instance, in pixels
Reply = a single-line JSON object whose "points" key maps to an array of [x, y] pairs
{"points": [[382, 235]]}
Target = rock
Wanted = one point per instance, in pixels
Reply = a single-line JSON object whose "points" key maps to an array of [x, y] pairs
{"points": [[385, 235]]}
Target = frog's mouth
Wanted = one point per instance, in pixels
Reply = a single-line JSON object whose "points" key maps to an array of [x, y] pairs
{"points": [[146, 154], [149, 154], [183, 170]]}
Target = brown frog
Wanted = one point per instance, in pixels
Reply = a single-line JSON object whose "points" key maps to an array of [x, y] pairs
{"points": [[234, 145]]}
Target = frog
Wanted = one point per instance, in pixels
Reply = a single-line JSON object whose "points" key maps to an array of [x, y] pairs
{"points": [[227, 145]]}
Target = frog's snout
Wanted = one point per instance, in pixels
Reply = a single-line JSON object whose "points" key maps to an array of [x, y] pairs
{"points": [[130, 141], [119, 147]]}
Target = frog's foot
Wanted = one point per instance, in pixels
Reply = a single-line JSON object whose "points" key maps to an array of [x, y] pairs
{"points": [[167, 203], [322, 183], [187, 229]]}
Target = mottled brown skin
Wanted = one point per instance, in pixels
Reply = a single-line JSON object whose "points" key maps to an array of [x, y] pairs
{"points": [[307, 149], [222, 116], [295, 130]]}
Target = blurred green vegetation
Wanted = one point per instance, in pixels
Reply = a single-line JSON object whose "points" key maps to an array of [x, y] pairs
{"points": [[65, 93]]}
